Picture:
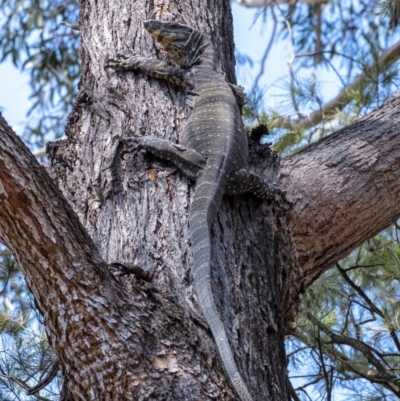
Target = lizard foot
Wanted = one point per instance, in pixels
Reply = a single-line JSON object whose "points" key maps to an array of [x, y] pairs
{"points": [[125, 268]]}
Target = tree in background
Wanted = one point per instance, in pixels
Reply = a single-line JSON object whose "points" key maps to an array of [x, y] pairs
{"points": [[348, 320]]}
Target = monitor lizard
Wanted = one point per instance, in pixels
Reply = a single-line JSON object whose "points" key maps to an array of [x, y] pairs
{"points": [[214, 152]]}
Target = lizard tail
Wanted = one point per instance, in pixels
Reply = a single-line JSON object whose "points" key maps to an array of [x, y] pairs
{"points": [[203, 210]]}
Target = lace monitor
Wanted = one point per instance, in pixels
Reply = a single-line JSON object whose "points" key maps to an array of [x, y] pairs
{"points": [[214, 153]]}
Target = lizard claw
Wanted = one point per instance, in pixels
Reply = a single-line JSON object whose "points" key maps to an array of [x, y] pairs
{"points": [[111, 63]]}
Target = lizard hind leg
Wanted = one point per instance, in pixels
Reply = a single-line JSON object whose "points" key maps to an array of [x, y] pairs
{"points": [[189, 161], [245, 181]]}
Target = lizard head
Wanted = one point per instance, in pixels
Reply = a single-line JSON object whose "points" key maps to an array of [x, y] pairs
{"points": [[182, 43]]}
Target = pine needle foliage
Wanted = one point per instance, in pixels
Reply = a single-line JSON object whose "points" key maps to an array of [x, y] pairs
{"points": [[348, 329], [390, 9], [25, 355]]}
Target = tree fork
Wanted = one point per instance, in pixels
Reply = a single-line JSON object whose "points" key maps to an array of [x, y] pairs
{"points": [[113, 338]]}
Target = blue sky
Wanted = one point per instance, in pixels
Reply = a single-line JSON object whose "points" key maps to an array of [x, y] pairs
{"points": [[14, 95]]}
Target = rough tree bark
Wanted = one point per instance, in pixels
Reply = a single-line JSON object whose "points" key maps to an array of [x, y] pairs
{"points": [[346, 187], [126, 338]]}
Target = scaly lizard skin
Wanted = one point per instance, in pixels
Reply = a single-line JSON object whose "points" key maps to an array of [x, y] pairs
{"points": [[215, 152]]}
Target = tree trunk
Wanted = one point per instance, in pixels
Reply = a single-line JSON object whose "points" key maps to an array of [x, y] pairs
{"points": [[143, 336], [155, 343]]}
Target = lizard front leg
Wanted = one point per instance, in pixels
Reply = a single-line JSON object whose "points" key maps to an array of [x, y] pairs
{"points": [[150, 66], [189, 161]]}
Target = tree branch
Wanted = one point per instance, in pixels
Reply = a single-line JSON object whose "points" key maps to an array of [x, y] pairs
{"points": [[356, 344], [340, 101], [50, 375], [344, 188], [266, 51], [293, 393], [23, 385], [373, 308]]}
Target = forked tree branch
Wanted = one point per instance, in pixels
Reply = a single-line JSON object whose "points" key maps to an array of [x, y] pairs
{"points": [[345, 189]]}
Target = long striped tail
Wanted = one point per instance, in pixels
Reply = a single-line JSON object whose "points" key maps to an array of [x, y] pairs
{"points": [[203, 211]]}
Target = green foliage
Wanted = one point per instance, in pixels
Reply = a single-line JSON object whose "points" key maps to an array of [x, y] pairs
{"points": [[390, 9], [357, 301], [31, 34], [345, 343], [23, 359], [25, 354]]}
